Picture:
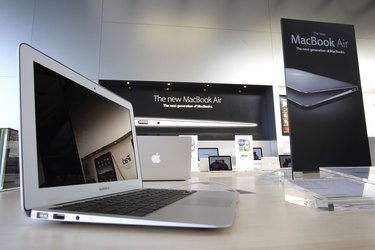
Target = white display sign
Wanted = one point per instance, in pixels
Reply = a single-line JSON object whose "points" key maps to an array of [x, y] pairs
{"points": [[194, 152], [244, 152]]}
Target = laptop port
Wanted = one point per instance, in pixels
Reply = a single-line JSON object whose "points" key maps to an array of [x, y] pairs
{"points": [[41, 215], [58, 216]]}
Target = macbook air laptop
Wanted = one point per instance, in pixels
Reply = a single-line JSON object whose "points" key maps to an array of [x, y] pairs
{"points": [[79, 157], [270, 163], [285, 161], [257, 153], [206, 152], [310, 90], [165, 157], [220, 163], [181, 123]]}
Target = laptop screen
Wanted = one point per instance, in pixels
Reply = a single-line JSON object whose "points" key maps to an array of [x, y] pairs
{"points": [[81, 135], [220, 163], [206, 152]]}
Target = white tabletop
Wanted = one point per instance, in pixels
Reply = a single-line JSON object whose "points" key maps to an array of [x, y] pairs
{"points": [[263, 221]]}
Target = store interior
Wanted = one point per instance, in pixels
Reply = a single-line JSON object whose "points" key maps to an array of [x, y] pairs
{"points": [[216, 70], [232, 42]]}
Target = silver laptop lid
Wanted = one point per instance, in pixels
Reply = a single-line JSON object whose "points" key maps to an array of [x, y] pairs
{"points": [[165, 157], [76, 138], [270, 163]]}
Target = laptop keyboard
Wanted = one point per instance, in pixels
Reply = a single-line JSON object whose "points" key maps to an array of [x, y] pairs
{"points": [[138, 203]]}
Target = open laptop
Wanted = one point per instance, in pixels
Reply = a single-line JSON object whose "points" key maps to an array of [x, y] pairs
{"points": [[270, 163], [206, 152], [165, 157], [257, 153], [285, 161], [219, 163], [78, 152], [309, 90]]}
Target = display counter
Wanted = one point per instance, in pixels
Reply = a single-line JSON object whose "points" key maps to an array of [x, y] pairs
{"points": [[264, 220]]}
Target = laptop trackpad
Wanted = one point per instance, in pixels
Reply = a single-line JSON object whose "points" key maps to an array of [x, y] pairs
{"points": [[208, 201]]}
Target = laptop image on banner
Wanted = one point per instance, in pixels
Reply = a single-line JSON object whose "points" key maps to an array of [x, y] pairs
{"points": [[79, 157], [309, 90], [165, 157]]}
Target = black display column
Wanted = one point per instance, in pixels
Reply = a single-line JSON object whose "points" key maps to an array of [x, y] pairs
{"points": [[326, 113]]}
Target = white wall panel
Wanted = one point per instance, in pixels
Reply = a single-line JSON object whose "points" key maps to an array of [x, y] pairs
{"points": [[9, 102], [69, 31], [15, 27], [219, 14], [369, 104], [360, 13], [366, 59], [231, 41], [147, 52], [278, 60]]}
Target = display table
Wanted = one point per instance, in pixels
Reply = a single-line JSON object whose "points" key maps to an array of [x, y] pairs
{"points": [[264, 221]]}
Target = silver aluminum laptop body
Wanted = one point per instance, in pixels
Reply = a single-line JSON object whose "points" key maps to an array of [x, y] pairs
{"points": [[165, 157], [270, 163], [182, 123], [310, 90], [77, 143]]}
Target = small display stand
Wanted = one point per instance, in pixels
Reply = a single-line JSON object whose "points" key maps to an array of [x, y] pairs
{"points": [[361, 173], [278, 175], [330, 193]]}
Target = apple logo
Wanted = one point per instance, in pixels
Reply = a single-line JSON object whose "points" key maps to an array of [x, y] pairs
{"points": [[155, 158]]}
